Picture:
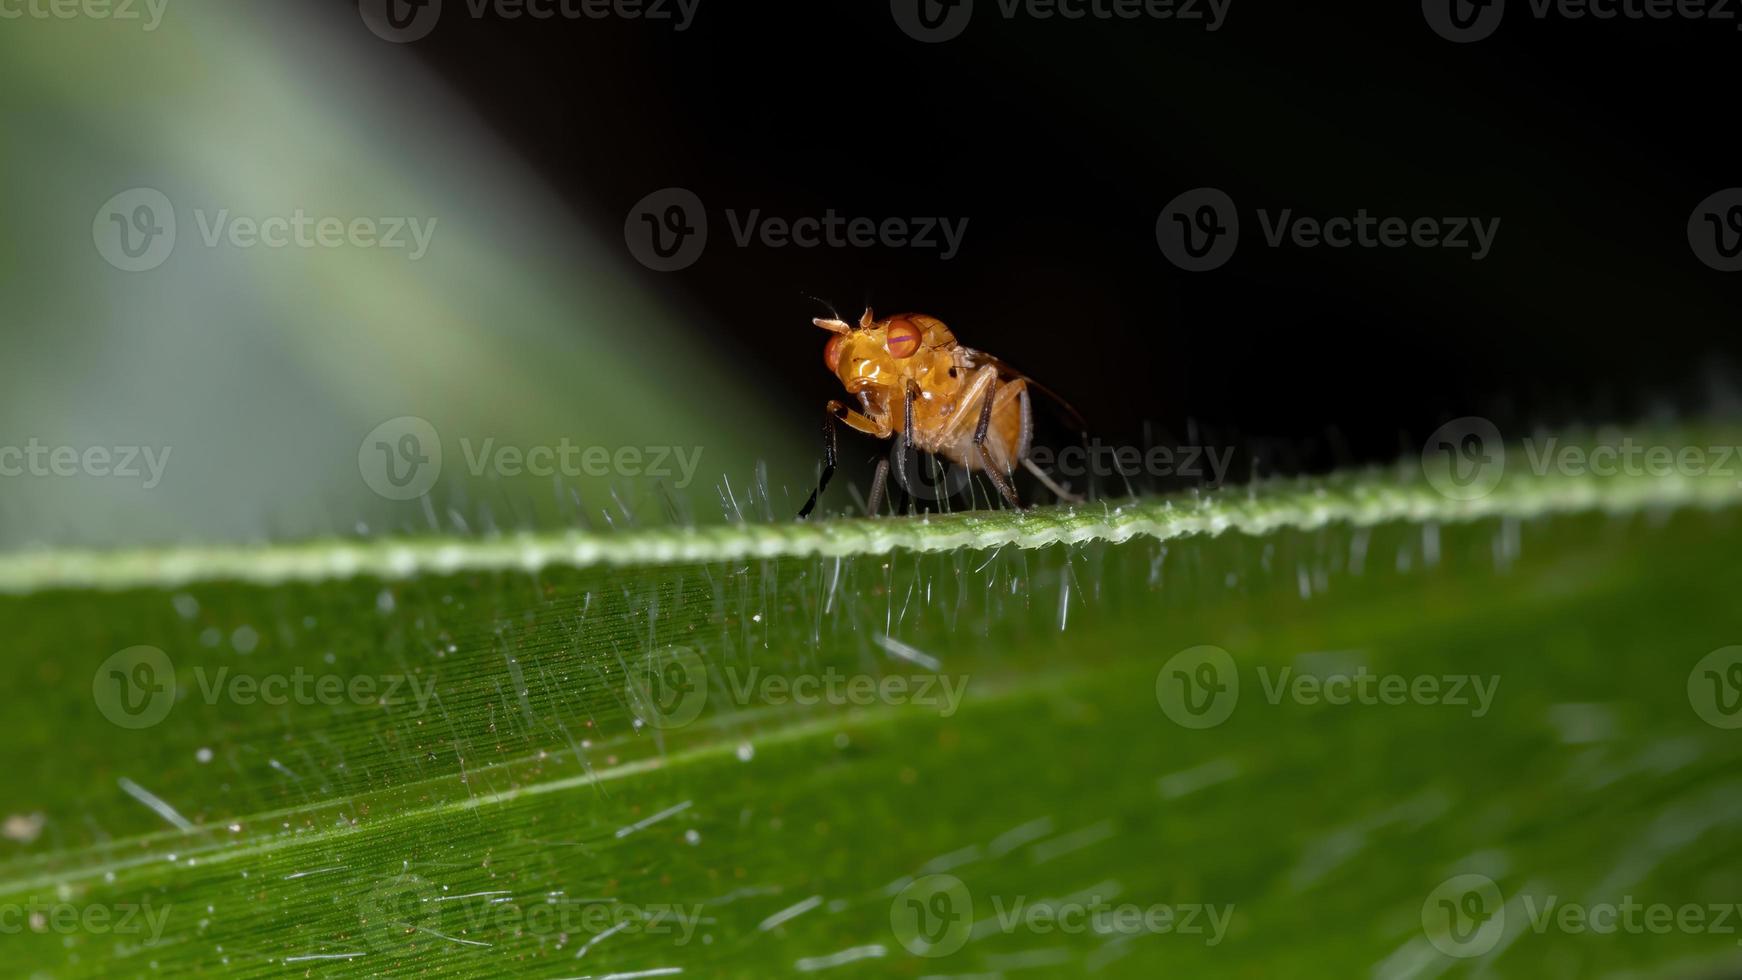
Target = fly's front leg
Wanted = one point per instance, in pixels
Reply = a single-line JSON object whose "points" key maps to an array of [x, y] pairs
{"points": [[837, 412], [829, 453], [999, 479]]}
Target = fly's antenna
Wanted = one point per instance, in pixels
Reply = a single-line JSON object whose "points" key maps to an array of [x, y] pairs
{"points": [[825, 304]]}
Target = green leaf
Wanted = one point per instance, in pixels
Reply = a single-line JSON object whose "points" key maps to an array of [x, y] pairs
{"points": [[586, 755]]}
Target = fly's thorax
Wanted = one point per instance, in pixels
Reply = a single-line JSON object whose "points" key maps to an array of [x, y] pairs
{"points": [[936, 374], [935, 334]]}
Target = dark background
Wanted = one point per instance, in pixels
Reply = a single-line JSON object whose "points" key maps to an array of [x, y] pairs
{"points": [[1061, 141]]}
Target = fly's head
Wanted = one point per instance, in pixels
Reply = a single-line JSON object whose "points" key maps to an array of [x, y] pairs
{"points": [[877, 357]]}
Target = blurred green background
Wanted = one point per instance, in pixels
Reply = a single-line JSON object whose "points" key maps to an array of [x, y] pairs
{"points": [[262, 369]]}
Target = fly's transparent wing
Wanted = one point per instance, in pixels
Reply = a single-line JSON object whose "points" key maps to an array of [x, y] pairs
{"points": [[978, 358]]}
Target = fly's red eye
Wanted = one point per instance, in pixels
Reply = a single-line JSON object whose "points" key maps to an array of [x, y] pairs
{"points": [[832, 352], [903, 338]]}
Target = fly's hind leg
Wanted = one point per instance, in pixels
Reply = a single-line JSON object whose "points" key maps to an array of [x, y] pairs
{"points": [[1018, 390]]}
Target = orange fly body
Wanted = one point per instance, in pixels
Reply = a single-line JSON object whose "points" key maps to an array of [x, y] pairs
{"points": [[914, 382]]}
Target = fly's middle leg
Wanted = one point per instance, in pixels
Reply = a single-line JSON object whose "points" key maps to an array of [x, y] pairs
{"points": [[904, 446], [879, 485], [1000, 479]]}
